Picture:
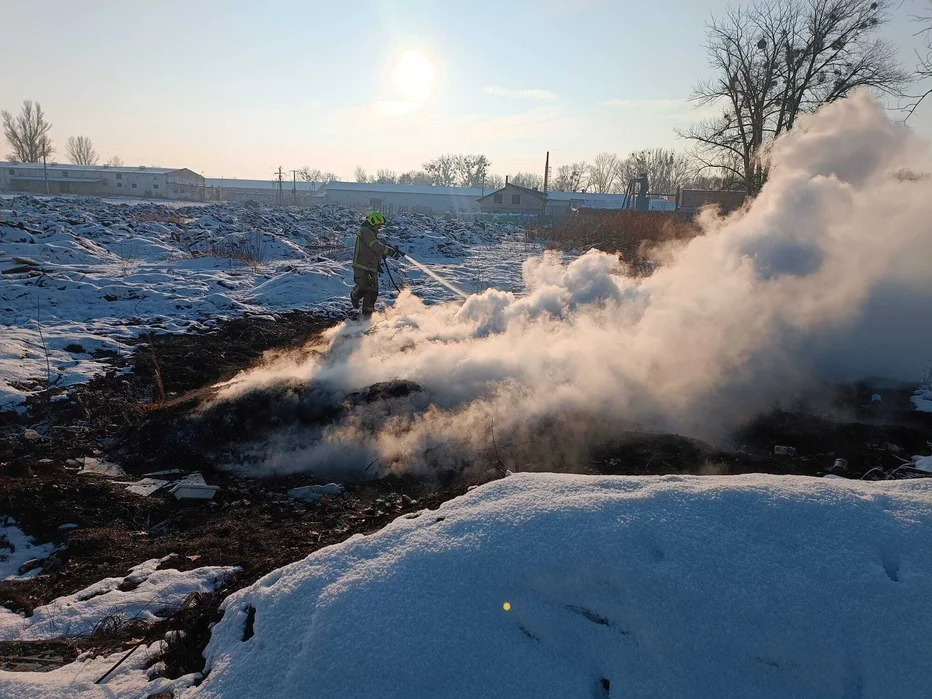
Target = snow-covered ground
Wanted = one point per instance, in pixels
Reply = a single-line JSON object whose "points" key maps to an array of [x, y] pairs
{"points": [[16, 548], [81, 275], [573, 586], [146, 594], [134, 679]]}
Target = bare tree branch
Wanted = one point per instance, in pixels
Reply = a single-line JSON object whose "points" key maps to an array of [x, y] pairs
{"points": [[780, 59], [27, 134], [80, 150]]}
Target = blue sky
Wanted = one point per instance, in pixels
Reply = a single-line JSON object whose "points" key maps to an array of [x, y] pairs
{"points": [[236, 88]]}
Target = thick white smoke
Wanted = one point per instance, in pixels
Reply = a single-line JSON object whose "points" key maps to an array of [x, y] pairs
{"points": [[825, 277]]}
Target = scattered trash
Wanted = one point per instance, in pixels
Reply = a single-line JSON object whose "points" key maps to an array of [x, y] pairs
{"points": [[146, 486], [95, 467], [834, 477], [314, 493], [472, 487], [31, 434], [886, 446], [508, 473], [193, 487], [784, 451], [839, 468], [170, 472], [67, 527], [876, 398]]}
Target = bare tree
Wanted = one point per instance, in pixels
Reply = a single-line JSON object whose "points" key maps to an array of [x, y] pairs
{"points": [[385, 177], [471, 170], [441, 170], [309, 174], [666, 169], [493, 182], [80, 150], [115, 161], [27, 133], [360, 174], [531, 180], [777, 60], [923, 69], [571, 178], [415, 177], [603, 173]]}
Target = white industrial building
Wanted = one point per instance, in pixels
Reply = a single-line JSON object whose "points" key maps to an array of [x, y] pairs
{"points": [[102, 180], [290, 193], [400, 198]]}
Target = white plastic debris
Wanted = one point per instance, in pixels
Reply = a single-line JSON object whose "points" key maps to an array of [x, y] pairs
{"points": [[146, 486], [31, 434], [193, 487], [95, 467], [313, 493], [923, 463], [784, 451]]}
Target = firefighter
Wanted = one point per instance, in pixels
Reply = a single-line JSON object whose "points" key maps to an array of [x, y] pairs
{"points": [[367, 262]]}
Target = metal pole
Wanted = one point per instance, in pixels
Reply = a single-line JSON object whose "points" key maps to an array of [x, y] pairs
{"points": [[45, 169]]}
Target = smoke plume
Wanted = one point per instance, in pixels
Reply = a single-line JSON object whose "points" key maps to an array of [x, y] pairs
{"points": [[825, 277]]}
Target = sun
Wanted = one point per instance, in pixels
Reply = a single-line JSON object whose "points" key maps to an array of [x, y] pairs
{"points": [[414, 75]]}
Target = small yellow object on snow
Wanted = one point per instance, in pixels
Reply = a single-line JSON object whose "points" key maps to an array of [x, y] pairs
{"points": [[507, 606]]}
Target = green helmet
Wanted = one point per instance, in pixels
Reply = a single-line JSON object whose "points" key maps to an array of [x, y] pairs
{"points": [[376, 218]]}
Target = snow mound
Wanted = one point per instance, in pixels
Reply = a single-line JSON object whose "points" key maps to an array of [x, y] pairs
{"points": [[639, 587], [145, 594]]}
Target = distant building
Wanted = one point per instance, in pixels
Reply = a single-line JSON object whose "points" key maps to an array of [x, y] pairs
{"points": [[400, 198], [691, 200], [265, 191], [102, 180], [513, 199], [521, 200]]}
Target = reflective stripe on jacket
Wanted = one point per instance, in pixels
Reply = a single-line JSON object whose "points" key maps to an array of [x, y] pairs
{"points": [[369, 250]]}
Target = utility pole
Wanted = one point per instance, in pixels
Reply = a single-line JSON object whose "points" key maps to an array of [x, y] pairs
{"points": [[45, 169], [546, 182], [294, 187], [280, 197]]}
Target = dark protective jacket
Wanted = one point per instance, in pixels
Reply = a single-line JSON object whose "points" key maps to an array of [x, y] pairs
{"points": [[369, 249]]}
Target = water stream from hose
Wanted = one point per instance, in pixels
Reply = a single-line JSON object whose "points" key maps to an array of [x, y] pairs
{"points": [[436, 277]]}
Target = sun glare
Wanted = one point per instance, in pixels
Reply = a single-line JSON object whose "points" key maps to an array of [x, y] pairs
{"points": [[414, 75]]}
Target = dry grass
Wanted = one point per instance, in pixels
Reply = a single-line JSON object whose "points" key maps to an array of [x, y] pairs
{"points": [[635, 235]]}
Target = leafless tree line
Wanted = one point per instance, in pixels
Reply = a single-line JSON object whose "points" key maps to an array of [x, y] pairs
{"points": [[27, 134]]}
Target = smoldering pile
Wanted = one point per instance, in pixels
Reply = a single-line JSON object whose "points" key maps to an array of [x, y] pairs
{"points": [[823, 278]]}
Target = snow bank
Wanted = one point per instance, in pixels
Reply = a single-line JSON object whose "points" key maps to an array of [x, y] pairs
{"points": [[16, 548], [148, 594], [91, 274], [653, 587]]}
